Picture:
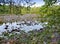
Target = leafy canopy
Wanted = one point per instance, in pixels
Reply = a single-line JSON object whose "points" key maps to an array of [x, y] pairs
{"points": [[49, 2]]}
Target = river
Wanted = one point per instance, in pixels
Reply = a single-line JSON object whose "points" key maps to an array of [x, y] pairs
{"points": [[26, 26]]}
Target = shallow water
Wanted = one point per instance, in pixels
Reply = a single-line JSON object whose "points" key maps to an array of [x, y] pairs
{"points": [[20, 26]]}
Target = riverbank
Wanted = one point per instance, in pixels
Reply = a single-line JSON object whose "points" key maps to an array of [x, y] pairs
{"points": [[13, 18]]}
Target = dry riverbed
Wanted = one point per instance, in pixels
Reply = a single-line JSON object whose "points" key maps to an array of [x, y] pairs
{"points": [[12, 18]]}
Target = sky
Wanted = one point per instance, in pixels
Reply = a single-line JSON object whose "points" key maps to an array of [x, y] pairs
{"points": [[38, 3]]}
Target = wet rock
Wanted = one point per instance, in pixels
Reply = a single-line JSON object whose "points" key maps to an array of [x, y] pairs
{"points": [[6, 27]]}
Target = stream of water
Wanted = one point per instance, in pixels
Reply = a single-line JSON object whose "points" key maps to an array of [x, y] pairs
{"points": [[20, 26]]}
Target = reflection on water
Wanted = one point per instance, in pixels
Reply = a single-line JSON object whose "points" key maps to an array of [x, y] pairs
{"points": [[26, 26]]}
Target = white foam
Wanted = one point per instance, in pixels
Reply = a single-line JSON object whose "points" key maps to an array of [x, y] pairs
{"points": [[15, 26]]}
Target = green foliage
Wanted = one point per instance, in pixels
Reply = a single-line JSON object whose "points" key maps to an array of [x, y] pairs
{"points": [[49, 2], [51, 14], [19, 10]]}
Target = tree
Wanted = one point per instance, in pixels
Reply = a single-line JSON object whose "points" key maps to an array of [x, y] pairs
{"points": [[19, 6], [51, 14], [3, 2], [11, 6], [29, 3], [49, 2]]}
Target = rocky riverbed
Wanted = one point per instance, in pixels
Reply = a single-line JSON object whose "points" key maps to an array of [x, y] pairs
{"points": [[13, 18]]}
